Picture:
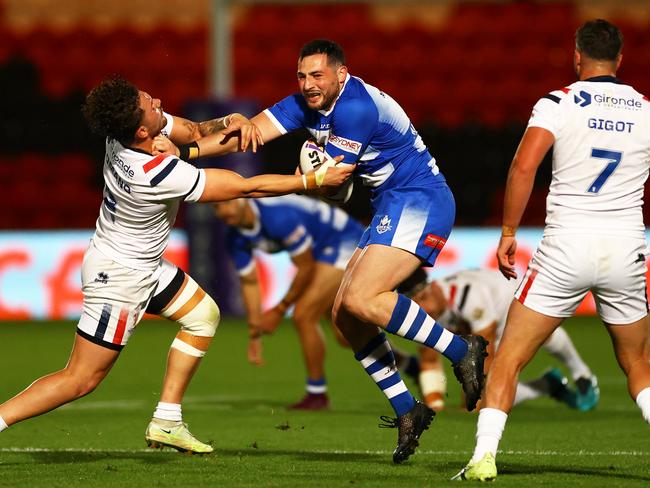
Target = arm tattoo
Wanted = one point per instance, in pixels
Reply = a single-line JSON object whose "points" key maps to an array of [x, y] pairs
{"points": [[212, 126], [192, 128]]}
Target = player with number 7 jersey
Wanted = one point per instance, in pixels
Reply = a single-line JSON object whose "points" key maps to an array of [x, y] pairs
{"points": [[601, 132], [594, 238]]}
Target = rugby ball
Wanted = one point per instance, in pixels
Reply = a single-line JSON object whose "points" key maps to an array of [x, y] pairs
{"points": [[312, 157]]}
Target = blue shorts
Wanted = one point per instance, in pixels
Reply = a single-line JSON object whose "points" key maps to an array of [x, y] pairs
{"points": [[417, 219]]}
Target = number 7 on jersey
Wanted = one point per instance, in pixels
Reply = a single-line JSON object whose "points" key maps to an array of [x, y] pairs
{"points": [[613, 159]]}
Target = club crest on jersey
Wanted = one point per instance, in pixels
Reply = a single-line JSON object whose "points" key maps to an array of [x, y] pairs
{"points": [[101, 278], [384, 225]]}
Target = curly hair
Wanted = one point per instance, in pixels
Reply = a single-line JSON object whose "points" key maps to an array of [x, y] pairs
{"points": [[112, 109]]}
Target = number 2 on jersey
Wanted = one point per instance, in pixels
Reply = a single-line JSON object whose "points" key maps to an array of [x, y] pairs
{"points": [[613, 159]]}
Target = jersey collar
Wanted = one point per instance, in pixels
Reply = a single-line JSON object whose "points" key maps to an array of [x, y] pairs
{"points": [[345, 83], [604, 79]]}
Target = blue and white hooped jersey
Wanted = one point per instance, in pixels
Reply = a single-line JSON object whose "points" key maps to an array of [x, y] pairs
{"points": [[601, 157], [368, 127], [294, 224]]}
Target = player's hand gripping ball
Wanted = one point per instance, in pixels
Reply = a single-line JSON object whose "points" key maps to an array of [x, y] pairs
{"points": [[312, 157]]}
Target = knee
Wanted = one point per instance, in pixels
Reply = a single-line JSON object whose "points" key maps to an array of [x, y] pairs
{"points": [[356, 304], [198, 326], [203, 319], [83, 384], [304, 317]]}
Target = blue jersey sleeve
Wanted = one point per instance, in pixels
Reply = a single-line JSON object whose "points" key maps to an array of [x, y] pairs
{"points": [[286, 227], [289, 114], [353, 126], [240, 250]]}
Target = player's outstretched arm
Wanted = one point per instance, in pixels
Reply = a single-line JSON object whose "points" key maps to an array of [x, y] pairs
{"points": [[224, 185], [531, 151], [237, 130], [204, 141]]}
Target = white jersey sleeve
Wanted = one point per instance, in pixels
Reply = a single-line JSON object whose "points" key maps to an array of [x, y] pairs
{"points": [[546, 113], [169, 126]]}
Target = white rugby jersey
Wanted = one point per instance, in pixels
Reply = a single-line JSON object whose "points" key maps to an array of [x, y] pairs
{"points": [[601, 157], [478, 296], [141, 198]]}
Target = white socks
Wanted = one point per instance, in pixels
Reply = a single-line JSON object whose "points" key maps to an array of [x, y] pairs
{"points": [[559, 344], [168, 411], [3, 424], [491, 423], [642, 400]]}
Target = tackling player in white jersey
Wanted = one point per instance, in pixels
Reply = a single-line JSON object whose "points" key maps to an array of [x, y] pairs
{"points": [[123, 272], [594, 236], [476, 301]]}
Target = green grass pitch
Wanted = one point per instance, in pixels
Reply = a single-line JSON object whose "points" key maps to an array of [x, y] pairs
{"points": [[98, 441]]}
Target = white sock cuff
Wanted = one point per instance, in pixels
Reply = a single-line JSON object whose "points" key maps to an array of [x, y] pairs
{"points": [[169, 406], [168, 411], [3, 424], [643, 401], [644, 395]]}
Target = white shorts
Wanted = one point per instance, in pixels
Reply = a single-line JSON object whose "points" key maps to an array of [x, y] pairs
{"points": [[565, 267], [116, 297]]}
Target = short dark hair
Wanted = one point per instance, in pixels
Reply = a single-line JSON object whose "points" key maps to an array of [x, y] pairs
{"points": [[600, 40], [112, 109], [334, 52], [414, 284]]}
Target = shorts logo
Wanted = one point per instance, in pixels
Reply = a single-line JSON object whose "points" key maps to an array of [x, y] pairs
{"points": [[434, 241], [347, 145], [384, 225], [583, 99], [101, 278]]}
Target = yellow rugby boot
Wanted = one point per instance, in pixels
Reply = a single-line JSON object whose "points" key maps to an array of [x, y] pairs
{"points": [[167, 433], [483, 470]]}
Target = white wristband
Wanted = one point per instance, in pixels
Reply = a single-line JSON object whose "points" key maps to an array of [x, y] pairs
{"points": [[226, 121], [304, 181]]}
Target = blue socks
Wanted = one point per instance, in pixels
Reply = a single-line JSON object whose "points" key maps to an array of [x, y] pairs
{"points": [[377, 359], [410, 321]]}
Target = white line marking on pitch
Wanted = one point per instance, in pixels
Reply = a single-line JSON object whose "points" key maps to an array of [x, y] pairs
{"points": [[342, 452]]}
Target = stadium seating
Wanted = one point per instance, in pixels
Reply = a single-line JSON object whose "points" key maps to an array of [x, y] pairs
{"points": [[481, 64]]}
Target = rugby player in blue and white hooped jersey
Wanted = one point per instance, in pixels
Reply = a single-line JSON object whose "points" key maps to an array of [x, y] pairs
{"points": [[320, 240], [414, 212], [123, 272], [594, 238]]}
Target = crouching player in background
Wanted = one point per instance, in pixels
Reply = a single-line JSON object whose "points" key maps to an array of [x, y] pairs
{"points": [[476, 301], [320, 240], [123, 273]]}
